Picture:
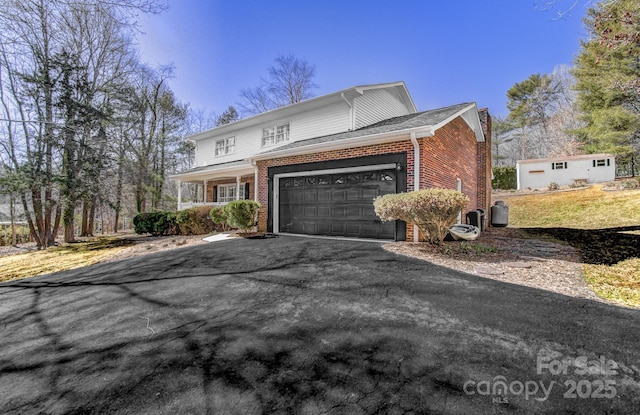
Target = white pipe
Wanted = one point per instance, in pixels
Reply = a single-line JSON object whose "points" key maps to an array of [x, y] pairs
{"points": [[459, 188], [416, 177], [255, 180], [351, 110]]}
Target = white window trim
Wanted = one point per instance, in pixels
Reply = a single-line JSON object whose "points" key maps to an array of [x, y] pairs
{"points": [[225, 146], [274, 141], [230, 186]]}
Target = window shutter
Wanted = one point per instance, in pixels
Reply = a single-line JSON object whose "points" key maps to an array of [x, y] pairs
{"points": [[594, 163], [247, 196], [553, 166], [608, 160], [215, 193]]}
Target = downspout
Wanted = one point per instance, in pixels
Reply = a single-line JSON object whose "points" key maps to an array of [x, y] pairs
{"points": [[459, 188], [416, 177], [255, 180], [352, 122]]}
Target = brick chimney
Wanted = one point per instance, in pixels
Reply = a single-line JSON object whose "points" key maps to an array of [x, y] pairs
{"points": [[484, 172]]}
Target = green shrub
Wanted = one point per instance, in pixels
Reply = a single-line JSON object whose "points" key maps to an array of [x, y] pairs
{"points": [[504, 178], [155, 223], [195, 221], [553, 186], [219, 217], [242, 214], [432, 210]]}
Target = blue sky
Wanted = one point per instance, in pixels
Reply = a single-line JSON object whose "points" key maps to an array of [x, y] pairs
{"points": [[447, 52]]}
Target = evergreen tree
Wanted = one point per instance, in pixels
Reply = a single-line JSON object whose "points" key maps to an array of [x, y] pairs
{"points": [[608, 79]]}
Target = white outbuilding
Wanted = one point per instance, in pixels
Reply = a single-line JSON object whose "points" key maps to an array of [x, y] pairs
{"points": [[588, 168]]}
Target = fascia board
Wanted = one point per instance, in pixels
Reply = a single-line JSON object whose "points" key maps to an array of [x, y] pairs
{"points": [[242, 169], [475, 119]]}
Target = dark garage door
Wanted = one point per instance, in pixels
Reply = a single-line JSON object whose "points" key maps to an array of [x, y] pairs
{"points": [[335, 204]]}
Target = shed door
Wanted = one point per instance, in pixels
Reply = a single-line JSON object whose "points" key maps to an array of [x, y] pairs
{"points": [[338, 204]]}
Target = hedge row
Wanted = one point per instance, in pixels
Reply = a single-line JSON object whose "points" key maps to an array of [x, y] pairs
{"points": [[192, 221], [504, 178]]}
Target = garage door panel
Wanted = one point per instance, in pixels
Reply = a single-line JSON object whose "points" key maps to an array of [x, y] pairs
{"points": [[324, 195], [335, 204], [338, 195]]}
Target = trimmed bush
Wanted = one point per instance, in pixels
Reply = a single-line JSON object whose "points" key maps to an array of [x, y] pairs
{"points": [[432, 210], [219, 217], [155, 223], [195, 221], [504, 178], [242, 214]]}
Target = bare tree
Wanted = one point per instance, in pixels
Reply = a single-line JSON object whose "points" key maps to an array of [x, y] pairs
{"points": [[290, 81], [59, 60]]}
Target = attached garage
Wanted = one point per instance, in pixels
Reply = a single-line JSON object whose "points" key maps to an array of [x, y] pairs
{"points": [[335, 202], [336, 198]]}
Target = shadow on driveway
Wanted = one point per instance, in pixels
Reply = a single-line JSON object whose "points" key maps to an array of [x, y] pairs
{"points": [[298, 325]]}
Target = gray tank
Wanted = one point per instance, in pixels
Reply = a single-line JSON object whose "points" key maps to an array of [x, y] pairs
{"points": [[499, 214]]}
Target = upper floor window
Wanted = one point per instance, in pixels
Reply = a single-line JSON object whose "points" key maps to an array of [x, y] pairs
{"points": [[225, 146], [601, 163], [559, 165], [276, 134]]}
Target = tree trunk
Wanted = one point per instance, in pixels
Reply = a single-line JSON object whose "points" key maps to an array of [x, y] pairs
{"points": [[12, 213], [85, 218], [68, 220], [92, 216]]}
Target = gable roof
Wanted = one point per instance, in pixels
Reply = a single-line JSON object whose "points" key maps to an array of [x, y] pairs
{"points": [[422, 122], [303, 106]]}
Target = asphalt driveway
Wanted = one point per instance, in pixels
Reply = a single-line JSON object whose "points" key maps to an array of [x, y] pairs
{"points": [[306, 326]]}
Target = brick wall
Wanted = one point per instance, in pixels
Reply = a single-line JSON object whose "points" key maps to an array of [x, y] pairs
{"points": [[450, 154], [447, 156]]}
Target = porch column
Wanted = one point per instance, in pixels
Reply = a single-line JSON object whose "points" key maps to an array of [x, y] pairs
{"points": [[179, 193], [206, 183], [238, 187]]}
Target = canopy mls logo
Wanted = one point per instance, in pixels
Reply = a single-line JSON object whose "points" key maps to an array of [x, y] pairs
{"points": [[500, 390]]}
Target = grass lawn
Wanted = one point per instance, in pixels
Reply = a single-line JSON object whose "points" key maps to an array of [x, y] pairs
{"points": [[60, 258], [592, 209]]}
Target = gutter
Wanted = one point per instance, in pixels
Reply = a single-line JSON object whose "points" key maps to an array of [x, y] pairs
{"points": [[416, 177], [380, 138]]}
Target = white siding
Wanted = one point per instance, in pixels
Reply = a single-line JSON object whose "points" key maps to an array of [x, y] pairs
{"points": [[205, 148], [540, 173], [331, 119], [377, 105]]}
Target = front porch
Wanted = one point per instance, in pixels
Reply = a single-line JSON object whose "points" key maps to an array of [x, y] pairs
{"points": [[216, 185]]}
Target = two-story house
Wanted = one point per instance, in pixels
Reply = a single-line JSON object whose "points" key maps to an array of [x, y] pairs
{"points": [[317, 165]]}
